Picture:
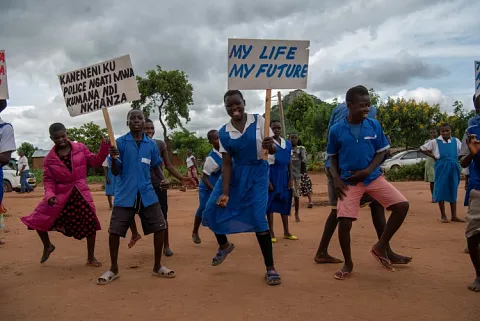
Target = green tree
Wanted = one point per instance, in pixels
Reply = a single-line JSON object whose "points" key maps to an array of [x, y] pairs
{"points": [[407, 121], [374, 97], [298, 109], [168, 93], [184, 140], [28, 149], [459, 119], [89, 134]]}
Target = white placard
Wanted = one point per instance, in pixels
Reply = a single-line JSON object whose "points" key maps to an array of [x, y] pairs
{"points": [[477, 78], [3, 76], [103, 85], [267, 64]]}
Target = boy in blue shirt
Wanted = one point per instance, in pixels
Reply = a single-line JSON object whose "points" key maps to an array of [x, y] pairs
{"points": [[131, 162], [357, 146], [322, 256], [472, 232]]}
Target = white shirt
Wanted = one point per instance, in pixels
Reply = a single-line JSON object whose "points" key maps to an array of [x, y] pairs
{"points": [[283, 145], [23, 161], [7, 138], [235, 134], [466, 171], [432, 146], [190, 161], [211, 165]]}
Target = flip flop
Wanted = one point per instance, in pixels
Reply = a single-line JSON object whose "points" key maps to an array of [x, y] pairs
{"points": [[341, 275], [46, 256], [94, 263], [222, 255], [273, 278], [406, 260], [384, 262], [165, 272], [274, 240], [107, 277], [134, 241], [290, 237]]}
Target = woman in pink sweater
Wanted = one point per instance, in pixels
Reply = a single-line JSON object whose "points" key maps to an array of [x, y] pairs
{"points": [[68, 205]]}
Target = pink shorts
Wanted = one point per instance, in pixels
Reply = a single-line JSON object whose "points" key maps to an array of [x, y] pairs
{"points": [[380, 190]]}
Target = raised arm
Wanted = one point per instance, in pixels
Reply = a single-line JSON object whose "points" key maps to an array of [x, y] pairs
{"points": [[96, 160]]}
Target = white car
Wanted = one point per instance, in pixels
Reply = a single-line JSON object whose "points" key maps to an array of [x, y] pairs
{"points": [[11, 181], [408, 157]]}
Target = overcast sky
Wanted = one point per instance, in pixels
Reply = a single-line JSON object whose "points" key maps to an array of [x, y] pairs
{"points": [[421, 49]]}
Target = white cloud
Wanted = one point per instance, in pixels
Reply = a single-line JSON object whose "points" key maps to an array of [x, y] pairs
{"points": [[379, 43]]}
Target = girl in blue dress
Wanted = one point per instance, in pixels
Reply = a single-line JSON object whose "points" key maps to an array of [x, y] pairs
{"points": [[109, 183], [238, 202], [280, 193], [212, 170], [444, 150]]}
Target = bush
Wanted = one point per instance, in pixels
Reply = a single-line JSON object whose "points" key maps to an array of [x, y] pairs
{"points": [[413, 172]]}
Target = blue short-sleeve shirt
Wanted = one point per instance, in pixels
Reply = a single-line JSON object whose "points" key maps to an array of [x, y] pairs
{"points": [[339, 113], [357, 154], [474, 129], [134, 163]]}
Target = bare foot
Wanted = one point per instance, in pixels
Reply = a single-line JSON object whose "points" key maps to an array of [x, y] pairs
{"points": [[456, 219], [46, 253], [444, 220], [475, 285], [297, 218], [135, 238], [399, 259], [326, 259]]}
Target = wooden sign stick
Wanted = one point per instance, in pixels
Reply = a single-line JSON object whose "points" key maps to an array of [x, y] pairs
{"points": [[108, 123], [282, 118], [268, 104]]}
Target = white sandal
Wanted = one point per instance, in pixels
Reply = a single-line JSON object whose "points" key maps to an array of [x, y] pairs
{"points": [[107, 277], [165, 272]]}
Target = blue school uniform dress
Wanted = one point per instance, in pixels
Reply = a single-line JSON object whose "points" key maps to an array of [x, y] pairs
{"points": [[248, 196], [109, 188], [447, 172], [212, 168], [280, 199]]}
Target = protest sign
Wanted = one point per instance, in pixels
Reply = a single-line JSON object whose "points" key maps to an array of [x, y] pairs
{"points": [[3, 76], [477, 78], [103, 85], [100, 86], [267, 64]]}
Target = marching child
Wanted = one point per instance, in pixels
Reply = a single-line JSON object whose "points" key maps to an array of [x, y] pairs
{"points": [[357, 146], [239, 200], [445, 150], [212, 169], [131, 162], [281, 183]]}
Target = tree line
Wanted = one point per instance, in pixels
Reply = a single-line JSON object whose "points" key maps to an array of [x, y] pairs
{"points": [[168, 94]]}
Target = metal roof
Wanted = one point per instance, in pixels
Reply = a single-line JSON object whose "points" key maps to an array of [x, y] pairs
{"points": [[40, 153]]}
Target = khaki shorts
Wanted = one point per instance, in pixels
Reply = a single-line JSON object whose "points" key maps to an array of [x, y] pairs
{"points": [[296, 187], [473, 214]]}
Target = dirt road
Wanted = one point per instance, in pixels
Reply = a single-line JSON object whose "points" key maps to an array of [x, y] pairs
{"points": [[433, 287]]}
